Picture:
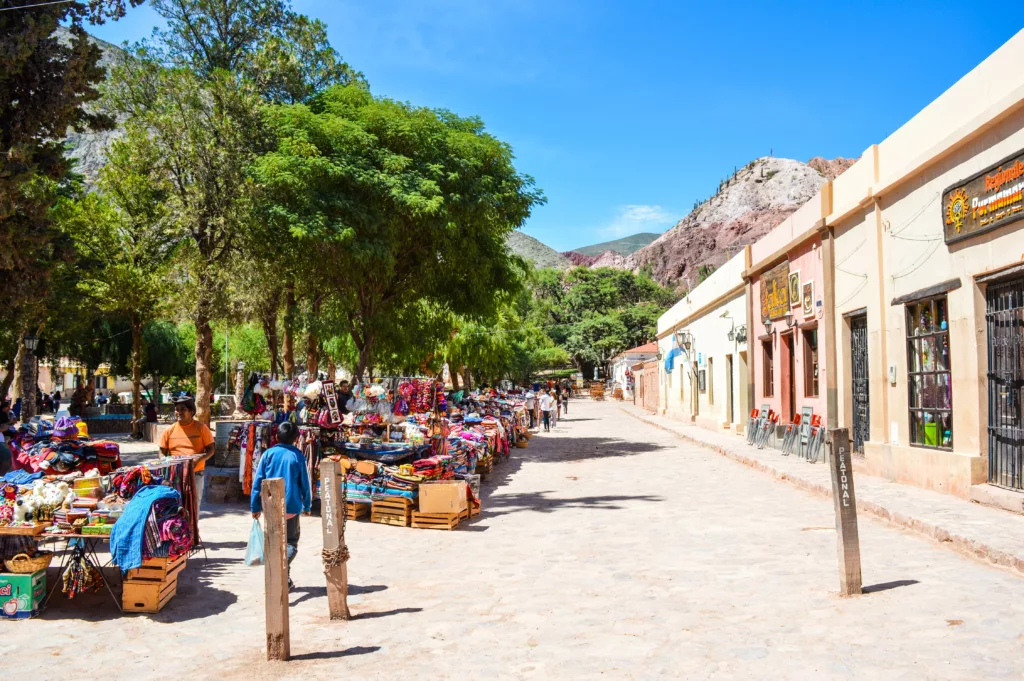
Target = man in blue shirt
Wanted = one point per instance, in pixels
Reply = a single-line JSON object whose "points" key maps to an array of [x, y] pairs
{"points": [[285, 461]]}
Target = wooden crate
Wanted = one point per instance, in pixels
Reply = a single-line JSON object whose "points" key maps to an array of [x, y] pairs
{"points": [[356, 511], [392, 511], [158, 569], [435, 521], [147, 596], [485, 466]]}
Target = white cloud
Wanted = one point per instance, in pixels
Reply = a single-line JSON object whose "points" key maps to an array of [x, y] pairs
{"points": [[633, 219]]}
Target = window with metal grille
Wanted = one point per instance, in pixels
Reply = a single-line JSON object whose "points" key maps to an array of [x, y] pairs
{"points": [[811, 363], [928, 375], [768, 356]]}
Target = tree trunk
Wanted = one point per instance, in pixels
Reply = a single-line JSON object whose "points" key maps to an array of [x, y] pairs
{"points": [[468, 375], [28, 385], [8, 380], [313, 345], [332, 369], [239, 391], [16, 386], [288, 344], [269, 321], [455, 379], [136, 321], [156, 391], [90, 386], [204, 356], [362, 363]]}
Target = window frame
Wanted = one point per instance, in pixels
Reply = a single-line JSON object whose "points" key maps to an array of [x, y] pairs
{"points": [[768, 368], [917, 374]]}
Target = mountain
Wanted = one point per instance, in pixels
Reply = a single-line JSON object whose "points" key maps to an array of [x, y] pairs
{"points": [[89, 149], [746, 207], [623, 246], [536, 252]]}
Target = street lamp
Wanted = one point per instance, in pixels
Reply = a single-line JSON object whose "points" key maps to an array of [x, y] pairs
{"points": [[767, 326], [31, 342], [741, 334], [684, 339]]}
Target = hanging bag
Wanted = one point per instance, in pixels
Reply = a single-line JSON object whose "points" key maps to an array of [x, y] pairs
{"points": [[254, 551]]}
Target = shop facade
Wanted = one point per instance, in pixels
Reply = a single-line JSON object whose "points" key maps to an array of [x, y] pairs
{"points": [[929, 281], [788, 318], [703, 344], [621, 368]]}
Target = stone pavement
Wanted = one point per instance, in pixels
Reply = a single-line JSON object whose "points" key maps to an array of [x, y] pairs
{"points": [[984, 532], [606, 549]]}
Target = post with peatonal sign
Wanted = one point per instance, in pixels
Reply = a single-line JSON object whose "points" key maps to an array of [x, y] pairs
{"points": [[848, 539]]}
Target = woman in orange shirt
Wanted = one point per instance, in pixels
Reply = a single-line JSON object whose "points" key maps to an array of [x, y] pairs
{"points": [[189, 437]]}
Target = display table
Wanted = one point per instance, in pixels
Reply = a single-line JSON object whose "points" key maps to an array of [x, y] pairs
{"points": [[88, 542]]}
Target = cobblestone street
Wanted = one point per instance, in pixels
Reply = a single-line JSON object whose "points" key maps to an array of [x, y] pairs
{"points": [[607, 548]]}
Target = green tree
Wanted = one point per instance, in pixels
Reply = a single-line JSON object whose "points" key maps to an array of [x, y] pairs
{"points": [[204, 134], [123, 232], [49, 78], [408, 204]]}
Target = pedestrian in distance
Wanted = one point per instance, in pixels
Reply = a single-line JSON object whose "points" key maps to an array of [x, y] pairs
{"points": [[531, 404], [547, 405], [285, 461]]}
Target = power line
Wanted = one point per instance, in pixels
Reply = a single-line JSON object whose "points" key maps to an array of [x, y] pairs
{"points": [[38, 4]]}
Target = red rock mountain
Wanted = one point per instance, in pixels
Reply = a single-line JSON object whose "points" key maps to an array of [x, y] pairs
{"points": [[748, 205]]}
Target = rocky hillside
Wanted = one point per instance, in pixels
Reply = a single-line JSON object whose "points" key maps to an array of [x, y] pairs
{"points": [[749, 205], [624, 246], [89, 149], [536, 252]]}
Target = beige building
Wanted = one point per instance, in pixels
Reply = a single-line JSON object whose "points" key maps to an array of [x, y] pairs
{"points": [[702, 341], [909, 330], [929, 288]]}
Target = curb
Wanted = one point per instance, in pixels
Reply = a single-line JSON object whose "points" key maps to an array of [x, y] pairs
{"points": [[964, 545]]}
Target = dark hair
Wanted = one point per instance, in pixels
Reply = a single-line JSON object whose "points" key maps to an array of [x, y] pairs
{"points": [[287, 433], [187, 403]]}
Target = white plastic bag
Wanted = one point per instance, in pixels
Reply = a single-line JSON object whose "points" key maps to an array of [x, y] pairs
{"points": [[254, 551]]}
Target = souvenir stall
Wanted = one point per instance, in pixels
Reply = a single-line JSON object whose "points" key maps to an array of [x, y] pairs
{"points": [[146, 513]]}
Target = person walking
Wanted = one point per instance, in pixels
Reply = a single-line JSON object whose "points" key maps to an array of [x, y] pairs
{"points": [[188, 437], [531, 404], [565, 399], [285, 461], [547, 405]]}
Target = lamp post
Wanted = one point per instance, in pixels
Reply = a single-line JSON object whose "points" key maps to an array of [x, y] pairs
{"points": [[28, 377]]}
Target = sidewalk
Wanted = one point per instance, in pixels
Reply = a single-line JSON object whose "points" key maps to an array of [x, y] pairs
{"points": [[990, 534]]}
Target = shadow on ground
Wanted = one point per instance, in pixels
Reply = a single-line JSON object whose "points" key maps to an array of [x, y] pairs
{"points": [[540, 502]]}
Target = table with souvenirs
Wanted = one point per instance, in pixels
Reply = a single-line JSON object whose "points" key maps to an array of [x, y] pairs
{"points": [[70, 497], [412, 453]]}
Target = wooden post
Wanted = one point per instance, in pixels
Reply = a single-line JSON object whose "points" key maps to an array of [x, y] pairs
{"points": [[848, 538], [331, 510], [275, 569]]}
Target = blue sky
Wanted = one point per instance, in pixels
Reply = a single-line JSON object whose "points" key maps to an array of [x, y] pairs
{"points": [[626, 112]]}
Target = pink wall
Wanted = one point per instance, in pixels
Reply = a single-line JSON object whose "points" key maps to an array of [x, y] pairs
{"points": [[807, 259]]}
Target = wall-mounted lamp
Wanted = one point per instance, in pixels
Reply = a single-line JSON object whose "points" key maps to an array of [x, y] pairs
{"points": [[732, 334], [741, 334], [31, 342], [767, 326], [790, 320], [684, 339]]}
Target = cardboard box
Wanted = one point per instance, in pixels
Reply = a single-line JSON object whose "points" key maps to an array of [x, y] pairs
{"points": [[21, 596], [443, 497]]}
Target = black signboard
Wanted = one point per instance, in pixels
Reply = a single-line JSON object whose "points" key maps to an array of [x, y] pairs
{"points": [[985, 201]]}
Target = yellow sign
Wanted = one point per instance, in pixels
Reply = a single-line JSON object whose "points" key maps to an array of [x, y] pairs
{"points": [[775, 292]]}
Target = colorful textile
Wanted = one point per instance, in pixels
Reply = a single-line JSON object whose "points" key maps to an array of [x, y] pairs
{"points": [[128, 536]]}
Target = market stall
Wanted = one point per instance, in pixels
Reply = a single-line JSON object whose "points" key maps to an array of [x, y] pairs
{"points": [[143, 518]]}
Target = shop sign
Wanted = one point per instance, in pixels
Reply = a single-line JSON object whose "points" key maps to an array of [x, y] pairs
{"points": [[775, 292], [990, 199]]}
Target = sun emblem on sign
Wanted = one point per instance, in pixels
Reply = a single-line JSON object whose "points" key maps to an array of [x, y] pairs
{"points": [[956, 209]]}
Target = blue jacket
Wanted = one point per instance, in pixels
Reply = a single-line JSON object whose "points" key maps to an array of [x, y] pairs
{"points": [[284, 461]]}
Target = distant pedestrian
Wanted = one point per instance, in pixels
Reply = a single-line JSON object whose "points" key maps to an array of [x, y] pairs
{"points": [[547, 405], [531, 405], [285, 461]]}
